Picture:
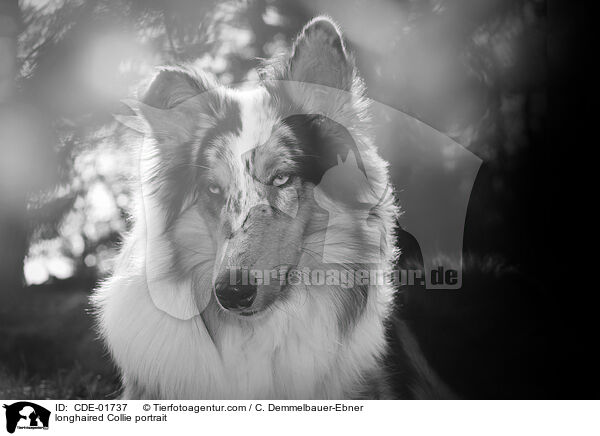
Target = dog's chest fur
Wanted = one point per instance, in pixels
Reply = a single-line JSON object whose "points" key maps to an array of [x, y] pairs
{"points": [[285, 356]]}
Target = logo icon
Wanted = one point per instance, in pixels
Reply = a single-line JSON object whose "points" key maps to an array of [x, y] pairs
{"points": [[26, 415]]}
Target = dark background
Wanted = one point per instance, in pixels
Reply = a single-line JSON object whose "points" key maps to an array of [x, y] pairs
{"points": [[492, 74]]}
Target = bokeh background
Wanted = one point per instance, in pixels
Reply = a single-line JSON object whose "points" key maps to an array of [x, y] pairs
{"points": [[476, 70]]}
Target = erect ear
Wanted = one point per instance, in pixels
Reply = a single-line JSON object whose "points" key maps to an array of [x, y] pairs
{"points": [[170, 107], [319, 56], [175, 85], [320, 76]]}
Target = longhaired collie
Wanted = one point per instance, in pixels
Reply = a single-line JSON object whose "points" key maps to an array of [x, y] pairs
{"points": [[263, 237]]}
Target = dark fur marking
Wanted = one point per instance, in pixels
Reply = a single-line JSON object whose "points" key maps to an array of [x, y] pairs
{"points": [[322, 140]]}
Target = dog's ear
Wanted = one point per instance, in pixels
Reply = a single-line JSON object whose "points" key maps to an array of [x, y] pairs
{"points": [[173, 86], [320, 75], [319, 56], [171, 107]]}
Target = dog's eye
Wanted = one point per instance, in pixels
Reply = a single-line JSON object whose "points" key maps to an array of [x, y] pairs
{"points": [[281, 179], [214, 189]]}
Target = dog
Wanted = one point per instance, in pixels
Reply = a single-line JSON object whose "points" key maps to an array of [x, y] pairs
{"points": [[281, 177]]}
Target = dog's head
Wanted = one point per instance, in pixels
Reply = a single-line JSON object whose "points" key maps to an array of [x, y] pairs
{"points": [[232, 178]]}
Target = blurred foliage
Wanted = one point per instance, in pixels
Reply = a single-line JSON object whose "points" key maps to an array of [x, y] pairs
{"points": [[75, 384], [474, 69]]}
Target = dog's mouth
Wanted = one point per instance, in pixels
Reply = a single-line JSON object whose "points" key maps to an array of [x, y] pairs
{"points": [[244, 313]]}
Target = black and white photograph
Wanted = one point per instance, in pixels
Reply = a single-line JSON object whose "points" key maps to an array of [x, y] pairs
{"points": [[276, 202]]}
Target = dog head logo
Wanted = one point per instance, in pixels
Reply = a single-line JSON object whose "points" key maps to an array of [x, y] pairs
{"points": [[26, 415]]}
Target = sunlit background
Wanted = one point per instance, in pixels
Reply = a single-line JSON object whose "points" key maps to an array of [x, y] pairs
{"points": [[472, 69]]}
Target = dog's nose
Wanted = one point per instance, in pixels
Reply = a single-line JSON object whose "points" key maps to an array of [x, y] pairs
{"points": [[235, 296]]}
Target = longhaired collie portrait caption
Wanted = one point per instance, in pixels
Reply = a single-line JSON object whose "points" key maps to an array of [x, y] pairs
{"points": [[259, 210]]}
